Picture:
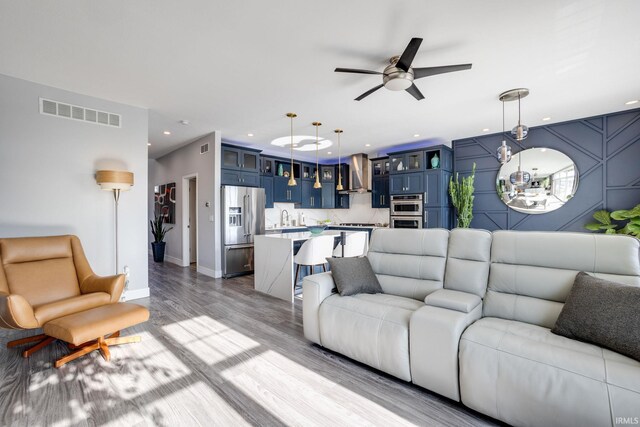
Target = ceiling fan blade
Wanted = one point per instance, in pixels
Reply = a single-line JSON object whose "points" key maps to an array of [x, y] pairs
{"points": [[354, 70], [367, 93], [419, 73], [413, 90], [409, 53]]}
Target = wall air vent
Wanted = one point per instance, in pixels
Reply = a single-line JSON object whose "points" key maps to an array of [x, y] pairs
{"points": [[204, 148], [76, 112]]}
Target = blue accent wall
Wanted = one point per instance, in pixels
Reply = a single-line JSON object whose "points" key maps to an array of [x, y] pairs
{"points": [[605, 149]]}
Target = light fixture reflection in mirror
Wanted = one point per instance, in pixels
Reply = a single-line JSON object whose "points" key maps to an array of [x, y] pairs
{"points": [[553, 181]]}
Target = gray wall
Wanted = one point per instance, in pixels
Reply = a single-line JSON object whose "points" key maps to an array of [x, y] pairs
{"points": [[605, 149], [172, 168], [47, 171]]}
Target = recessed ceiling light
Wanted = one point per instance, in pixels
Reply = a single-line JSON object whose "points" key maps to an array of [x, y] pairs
{"points": [[543, 149], [148, 144], [546, 119], [328, 152], [367, 145], [486, 130], [184, 122], [416, 135], [249, 134], [166, 132], [633, 101]]}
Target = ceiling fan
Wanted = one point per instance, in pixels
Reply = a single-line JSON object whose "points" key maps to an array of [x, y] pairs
{"points": [[399, 75]]}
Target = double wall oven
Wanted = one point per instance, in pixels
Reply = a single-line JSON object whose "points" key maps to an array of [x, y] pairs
{"points": [[407, 211]]}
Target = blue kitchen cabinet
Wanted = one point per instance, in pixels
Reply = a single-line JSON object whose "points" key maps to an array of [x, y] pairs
{"points": [[406, 183], [406, 162], [328, 195], [266, 182], [282, 192], [311, 197], [436, 188], [240, 158], [240, 178], [380, 192]]}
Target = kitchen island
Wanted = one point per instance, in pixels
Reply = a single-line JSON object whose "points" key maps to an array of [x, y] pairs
{"points": [[273, 261]]}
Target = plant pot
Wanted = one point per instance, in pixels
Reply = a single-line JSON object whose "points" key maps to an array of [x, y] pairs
{"points": [[158, 251]]}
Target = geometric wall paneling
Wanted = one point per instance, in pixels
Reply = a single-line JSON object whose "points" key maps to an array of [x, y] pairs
{"points": [[620, 172], [616, 122], [623, 136], [608, 169], [589, 138], [596, 122], [622, 198]]}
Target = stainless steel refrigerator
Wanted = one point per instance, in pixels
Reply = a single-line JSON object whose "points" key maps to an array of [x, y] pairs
{"points": [[243, 218]]}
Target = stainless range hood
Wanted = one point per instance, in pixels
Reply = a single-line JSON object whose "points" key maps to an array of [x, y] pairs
{"points": [[359, 174]]}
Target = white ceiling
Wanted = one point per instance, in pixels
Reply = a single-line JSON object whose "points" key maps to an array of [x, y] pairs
{"points": [[239, 66]]}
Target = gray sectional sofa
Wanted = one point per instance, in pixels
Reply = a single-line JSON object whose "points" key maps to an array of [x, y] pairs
{"points": [[467, 314]]}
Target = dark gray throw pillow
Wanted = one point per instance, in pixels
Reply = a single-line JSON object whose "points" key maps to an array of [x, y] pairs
{"points": [[601, 312], [354, 276]]}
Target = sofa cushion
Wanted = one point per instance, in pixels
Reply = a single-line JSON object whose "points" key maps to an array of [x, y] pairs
{"points": [[540, 378], [409, 263], [370, 328], [43, 281], [46, 312], [532, 273], [354, 276], [603, 313]]}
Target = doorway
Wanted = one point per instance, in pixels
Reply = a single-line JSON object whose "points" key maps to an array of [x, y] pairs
{"points": [[193, 223], [190, 220]]}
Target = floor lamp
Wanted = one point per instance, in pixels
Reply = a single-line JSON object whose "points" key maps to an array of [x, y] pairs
{"points": [[115, 181]]}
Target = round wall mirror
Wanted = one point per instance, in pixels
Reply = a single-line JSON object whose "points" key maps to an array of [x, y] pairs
{"points": [[537, 180]]}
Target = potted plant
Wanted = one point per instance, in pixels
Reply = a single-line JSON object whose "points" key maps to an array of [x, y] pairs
{"points": [[158, 230], [461, 192], [630, 219]]}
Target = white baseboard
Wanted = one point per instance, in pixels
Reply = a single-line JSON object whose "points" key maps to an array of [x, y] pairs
{"points": [[209, 272], [173, 260], [132, 294]]}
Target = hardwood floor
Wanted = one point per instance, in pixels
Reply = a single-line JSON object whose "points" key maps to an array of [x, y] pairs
{"points": [[214, 352]]}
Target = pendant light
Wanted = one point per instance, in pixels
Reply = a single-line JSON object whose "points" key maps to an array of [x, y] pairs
{"points": [[292, 181], [317, 183], [520, 132], [504, 151], [339, 187]]}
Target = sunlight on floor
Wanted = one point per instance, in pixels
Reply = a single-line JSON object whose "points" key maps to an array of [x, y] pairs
{"points": [[210, 340], [298, 396]]}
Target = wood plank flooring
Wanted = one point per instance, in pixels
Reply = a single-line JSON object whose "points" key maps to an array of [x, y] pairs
{"points": [[214, 352]]}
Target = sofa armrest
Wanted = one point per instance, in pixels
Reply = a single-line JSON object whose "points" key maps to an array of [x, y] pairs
{"points": [[434, 335], [453, 300], [16, 312], [315, 289], [112, 285]]}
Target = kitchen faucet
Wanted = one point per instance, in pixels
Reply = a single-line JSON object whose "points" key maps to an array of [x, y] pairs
{"points": [[282, 223]]}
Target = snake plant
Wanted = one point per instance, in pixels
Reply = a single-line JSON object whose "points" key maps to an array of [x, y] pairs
{"points": [[461, 191]]}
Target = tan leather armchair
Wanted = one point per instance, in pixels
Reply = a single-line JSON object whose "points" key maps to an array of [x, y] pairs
{"points": [[44, 278]]}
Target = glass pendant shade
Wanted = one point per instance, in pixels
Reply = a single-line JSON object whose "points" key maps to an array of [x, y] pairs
{"points": [[520, 132], [503, 153], [292, 180]]}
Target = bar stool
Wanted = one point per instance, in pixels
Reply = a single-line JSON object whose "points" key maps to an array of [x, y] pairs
{"points": [[314, 251], [357, 244]]}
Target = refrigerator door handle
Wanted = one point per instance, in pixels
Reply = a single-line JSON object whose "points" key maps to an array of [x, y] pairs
{"points": [[246, 214], [250, 213]]}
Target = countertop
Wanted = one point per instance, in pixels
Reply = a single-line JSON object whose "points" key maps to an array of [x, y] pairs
{"points": [[305, 235], [302, 227]]}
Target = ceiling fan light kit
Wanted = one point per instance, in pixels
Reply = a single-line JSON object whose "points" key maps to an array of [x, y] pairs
{"points": [[399, 75]]}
